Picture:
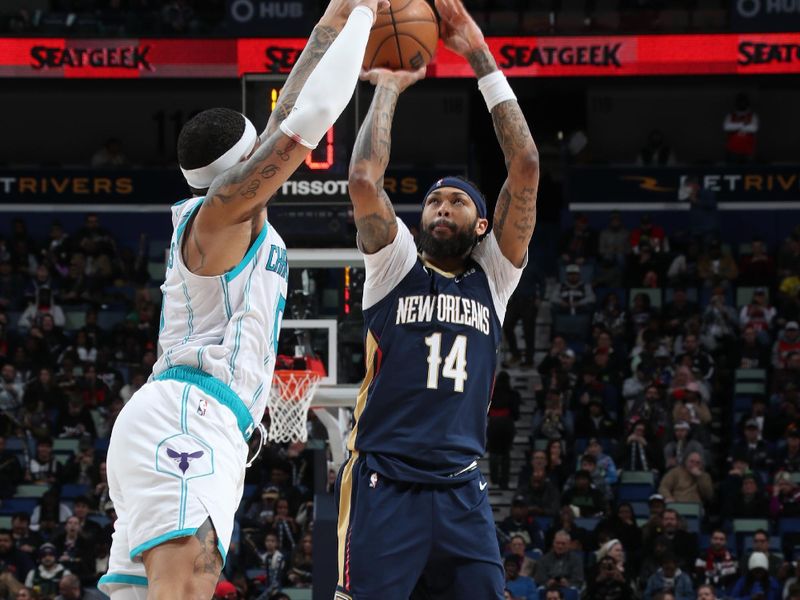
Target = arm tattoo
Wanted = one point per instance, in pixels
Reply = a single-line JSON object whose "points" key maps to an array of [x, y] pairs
{"points": [[517, 199], [208, 560], [373, 146], [482, 62], [321, 39]]}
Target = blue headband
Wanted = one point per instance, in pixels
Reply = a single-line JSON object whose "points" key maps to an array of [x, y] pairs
{"points": [[469, 189]]}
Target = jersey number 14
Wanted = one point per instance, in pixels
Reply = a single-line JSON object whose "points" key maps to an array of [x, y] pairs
{"points": [[455, 365]]}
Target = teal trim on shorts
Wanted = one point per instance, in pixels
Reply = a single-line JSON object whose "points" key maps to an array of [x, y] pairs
{"points": [[171, 535], [215, 388], [230, 275], [111, 578]]}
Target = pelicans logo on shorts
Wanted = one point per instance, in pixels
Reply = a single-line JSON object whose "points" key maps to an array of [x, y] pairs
{"points": [[185, 456]]}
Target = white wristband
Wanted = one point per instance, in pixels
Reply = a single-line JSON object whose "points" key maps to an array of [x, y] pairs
{"points": [[495, 89]]}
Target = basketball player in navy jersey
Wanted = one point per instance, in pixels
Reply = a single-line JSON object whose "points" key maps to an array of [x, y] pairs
{"points": [[413, 505]]}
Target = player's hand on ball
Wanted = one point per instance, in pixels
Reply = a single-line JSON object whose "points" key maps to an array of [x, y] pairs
{"points": [[458, 29], [338, 11], [401, 79]]}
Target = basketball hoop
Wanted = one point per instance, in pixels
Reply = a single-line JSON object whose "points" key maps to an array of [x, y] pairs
{"points": [[289, 400]]}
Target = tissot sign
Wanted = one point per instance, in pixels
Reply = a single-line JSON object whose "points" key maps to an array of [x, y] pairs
{"points": [[586, 56]]}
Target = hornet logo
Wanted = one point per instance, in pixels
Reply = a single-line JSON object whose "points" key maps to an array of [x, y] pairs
{"points": [[183, 458]]}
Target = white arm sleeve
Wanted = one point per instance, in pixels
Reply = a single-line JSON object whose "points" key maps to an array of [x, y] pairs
{"points": [[502, 274], [388, 266], [330, 86]]}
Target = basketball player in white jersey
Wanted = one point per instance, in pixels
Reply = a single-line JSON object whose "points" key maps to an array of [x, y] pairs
{"points": [[176, 462]]}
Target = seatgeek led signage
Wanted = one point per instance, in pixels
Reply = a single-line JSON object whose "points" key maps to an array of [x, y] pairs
{"points": [[583, 56]]}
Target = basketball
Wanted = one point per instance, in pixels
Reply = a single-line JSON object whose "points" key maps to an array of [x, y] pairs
{"points": [[404, 36]]}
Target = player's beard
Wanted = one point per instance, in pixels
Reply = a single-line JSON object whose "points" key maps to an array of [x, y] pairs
{"points": [[458, 244]]}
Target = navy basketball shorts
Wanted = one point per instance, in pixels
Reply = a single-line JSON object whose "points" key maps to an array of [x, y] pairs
{"points": [[396, 538]]}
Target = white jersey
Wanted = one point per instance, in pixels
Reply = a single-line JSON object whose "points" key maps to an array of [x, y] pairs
{"points": [[226, 325]]}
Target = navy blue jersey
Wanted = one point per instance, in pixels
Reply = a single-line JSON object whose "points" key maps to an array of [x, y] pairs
{"points": [[431, 346]]}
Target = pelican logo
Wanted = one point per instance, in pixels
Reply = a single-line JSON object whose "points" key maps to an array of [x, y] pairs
{"points": [[183, 458], [648, 183], [373, 480]]}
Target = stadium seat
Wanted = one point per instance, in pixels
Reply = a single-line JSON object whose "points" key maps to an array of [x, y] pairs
{"points": [[641, 509], [31, 490], [567, 593], [101, 520], [588, 523], [14, 505], [654, 293], [750, 375], [749, 525], [749, 389], [5, 521], [544, 523], [15, 444], [634, 493], [66, 445], [639, 477], [572, 327], [788, 525], [691, 294], [744, 295], [72, 490], [298, 593], [686, 509]]}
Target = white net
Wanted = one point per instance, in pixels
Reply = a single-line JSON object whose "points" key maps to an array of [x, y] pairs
{"points": [[288, 403]]}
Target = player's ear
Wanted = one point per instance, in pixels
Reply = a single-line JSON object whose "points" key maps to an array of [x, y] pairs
{"points": [[482, 226]]}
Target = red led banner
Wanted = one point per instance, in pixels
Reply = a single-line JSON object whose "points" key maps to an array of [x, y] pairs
{"points": [[592, 56]]}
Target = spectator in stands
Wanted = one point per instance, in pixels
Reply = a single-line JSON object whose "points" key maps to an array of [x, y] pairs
{"points": [[11, 391], [696, 358], [565, 521], [605, 464], [10, 470], [683, 270], [653, 528], [719, 322], [669, 578], [652, 411], [633, 388], [716, 566], [752, 353], [782, 378], [678, 312], [45, 576], [756, 268], [111, 155], [70, 588], [759, 314], [274, 562], [676, 451], [653, 233], [43, 468], [761, 545], [612, 317], [75, 549], [76, 421], [587, 462], [607, 580], [690, 407], [717, 267], [639, 453], [621, 525], [14, 562], [42, 305], [516, 549], [681, 543], [752, 448], [684, 378], [523, 307], [740, 127], [789, 455], [785, 501], [537, 462], [90, 529], [645, 267], [594, 422], [613, 243], [749, 502], [757, 583], [573, 296], [788, 342], [558, 467], [579, 243], [560, 566], [688, 482], [521, 523], [503, 411], [583, 495], [552, 361], [641, 316], [520, 586], [542, 495], [225, 590], [656, 152], [553, 423], [51, 510], [300, 573]]}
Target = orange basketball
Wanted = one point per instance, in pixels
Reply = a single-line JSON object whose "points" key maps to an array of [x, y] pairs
{"points": [[403, 37]]}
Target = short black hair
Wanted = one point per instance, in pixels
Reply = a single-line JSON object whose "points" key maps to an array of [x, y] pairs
{"points": [[208, 135]]}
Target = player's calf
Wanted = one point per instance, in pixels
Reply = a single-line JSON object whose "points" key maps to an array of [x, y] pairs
{"points": [[185, 568]]}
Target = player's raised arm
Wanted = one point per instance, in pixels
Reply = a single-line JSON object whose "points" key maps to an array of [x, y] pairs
{"points": [[374, 216], [515, 213], [237, 195]]}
